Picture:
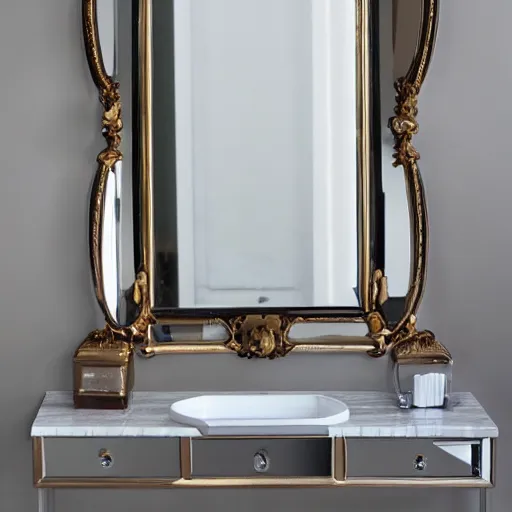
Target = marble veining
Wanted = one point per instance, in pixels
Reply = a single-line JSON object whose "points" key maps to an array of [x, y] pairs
{"points": [[372, 414]]}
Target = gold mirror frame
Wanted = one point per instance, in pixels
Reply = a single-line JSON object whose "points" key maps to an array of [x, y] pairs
{"points": [[251, 335]]}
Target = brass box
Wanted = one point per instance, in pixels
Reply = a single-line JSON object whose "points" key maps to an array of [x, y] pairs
{"points": [[103, 374]]}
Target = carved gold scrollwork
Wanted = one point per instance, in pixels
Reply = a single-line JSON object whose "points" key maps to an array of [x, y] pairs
{"points": [[112, 126], [107, 159], [379, 289], [418, 346], [263, 336], [140, 327], [377, 326], [404, 126], [114, 337], [112, 122], [378, 333], [104, 342]]}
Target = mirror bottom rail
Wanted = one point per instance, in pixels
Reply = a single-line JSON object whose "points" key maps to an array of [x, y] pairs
{"points": [[238, 462], [360, 345]]}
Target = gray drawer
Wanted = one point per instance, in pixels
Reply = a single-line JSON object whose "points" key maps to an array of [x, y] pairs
{"points": [[420, 458], [131, 457], [288, 457]]}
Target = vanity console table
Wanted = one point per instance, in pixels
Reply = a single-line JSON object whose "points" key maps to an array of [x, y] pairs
{"points": [[380, 445]]}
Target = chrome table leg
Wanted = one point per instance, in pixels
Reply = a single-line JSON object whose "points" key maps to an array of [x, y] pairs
{"points": [[483, 500], [45, 500]]}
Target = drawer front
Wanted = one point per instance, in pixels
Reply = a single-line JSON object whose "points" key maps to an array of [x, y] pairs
{"points": [[285, 457], [415, 458], [129, 458]]}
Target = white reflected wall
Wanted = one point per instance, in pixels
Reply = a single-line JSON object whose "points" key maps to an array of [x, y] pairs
{"points": [[266, 152], [110, 247]]}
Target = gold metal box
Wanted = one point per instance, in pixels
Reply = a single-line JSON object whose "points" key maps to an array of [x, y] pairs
{"points": [[103, 372]]}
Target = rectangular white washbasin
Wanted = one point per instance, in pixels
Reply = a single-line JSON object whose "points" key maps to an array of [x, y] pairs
{"points": [[252, 414]]}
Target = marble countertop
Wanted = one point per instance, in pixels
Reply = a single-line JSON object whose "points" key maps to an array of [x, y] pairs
{"points": [[372, 414]]}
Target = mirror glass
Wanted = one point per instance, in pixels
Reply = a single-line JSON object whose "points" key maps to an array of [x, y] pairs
{"points": [[300, 333], [396, 29], [256, 151], [255, 154], [118, 255]]}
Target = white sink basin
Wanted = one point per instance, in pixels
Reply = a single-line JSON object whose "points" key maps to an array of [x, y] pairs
{"points": [[260, 413]]}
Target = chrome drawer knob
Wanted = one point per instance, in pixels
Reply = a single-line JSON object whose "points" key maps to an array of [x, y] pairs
{"points": [[106, 459], [420, 463], [261, 461]]}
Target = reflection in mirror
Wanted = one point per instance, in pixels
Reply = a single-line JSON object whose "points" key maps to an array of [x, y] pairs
{"points": [[398, 29], [301, 333], [255, 148], [115, 36], [111, 246], [406, 28], [165, 333], [106, 10], [304, 332]]}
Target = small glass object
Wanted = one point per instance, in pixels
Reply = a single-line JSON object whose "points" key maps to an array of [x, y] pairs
{"points": [[422, 372]]}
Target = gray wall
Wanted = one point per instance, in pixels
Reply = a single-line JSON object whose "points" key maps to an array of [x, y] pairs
{"points": [[49, 136]]}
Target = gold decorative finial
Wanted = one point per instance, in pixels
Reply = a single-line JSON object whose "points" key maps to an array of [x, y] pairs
{"points": [[404, 125], [411, 345], [264, 336]]}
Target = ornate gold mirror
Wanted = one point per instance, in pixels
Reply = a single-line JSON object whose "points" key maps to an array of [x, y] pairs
{"points": [[259, 191]]}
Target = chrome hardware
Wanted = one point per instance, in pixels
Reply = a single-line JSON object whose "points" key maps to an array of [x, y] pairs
{"points": [[420, 463], [405, 400], [106, 459], [261, 461]]}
